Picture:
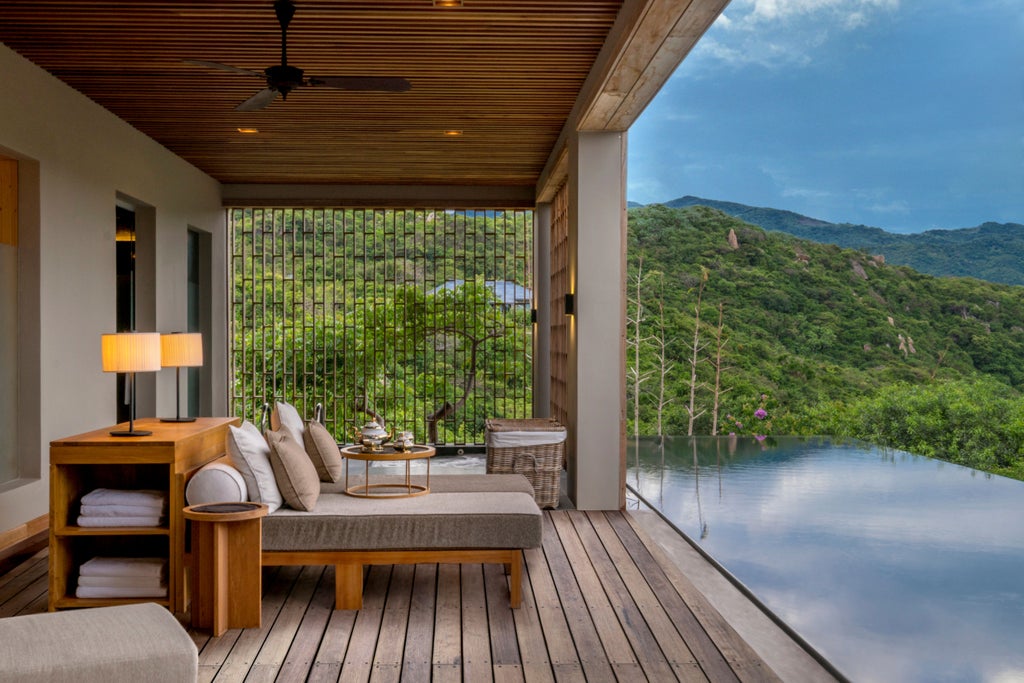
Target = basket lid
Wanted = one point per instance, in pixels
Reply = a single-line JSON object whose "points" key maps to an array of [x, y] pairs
{"points": [[535, 424]]}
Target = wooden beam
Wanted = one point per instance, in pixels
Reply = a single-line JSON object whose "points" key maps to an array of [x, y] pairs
{"points": [[379, 196], [23, 532], [645, 45]]}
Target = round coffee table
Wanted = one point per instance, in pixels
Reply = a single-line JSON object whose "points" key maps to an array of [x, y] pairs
{"points": [[404, 489]]}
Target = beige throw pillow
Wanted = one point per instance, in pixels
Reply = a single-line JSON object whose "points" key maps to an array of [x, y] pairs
{"points": [[322, 449], [296, 477]]}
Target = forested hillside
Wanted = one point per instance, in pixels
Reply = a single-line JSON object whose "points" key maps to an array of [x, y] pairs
{"points": [[991, 251], [816, 336]]}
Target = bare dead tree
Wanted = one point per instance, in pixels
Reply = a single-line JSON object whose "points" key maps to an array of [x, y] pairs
{"points": [[695, 356], [664, 368], [720, 343], [635, 340]]}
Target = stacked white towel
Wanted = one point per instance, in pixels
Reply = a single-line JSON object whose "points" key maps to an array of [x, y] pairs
{"points": [[123, 577], [117, 507]]}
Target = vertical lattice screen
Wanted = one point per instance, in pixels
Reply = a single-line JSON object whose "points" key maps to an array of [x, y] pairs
{"points": [[559, 323], [420, 317]]}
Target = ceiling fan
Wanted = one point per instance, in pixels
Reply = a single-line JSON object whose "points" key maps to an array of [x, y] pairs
{"points": [[283, 78]]}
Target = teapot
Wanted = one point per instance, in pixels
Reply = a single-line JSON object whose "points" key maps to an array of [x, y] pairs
{"points": [[371, 436]]}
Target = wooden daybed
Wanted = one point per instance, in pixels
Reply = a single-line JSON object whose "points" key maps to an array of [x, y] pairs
{"points": [[488, 518]]}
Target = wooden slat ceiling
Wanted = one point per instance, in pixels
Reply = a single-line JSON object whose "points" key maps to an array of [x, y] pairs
{"points": [[504, 73]]}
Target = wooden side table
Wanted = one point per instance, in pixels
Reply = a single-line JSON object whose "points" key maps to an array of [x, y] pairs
{"points": [[227, 584]]}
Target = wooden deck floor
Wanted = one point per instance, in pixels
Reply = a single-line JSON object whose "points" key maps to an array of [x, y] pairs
{"points": [[601, 603]]}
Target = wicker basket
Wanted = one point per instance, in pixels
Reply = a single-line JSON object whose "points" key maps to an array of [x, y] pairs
{"points": [[539, 458]]}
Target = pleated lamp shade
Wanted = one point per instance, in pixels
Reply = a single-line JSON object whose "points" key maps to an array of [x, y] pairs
{"points": [[131, 352], [181, 350]]}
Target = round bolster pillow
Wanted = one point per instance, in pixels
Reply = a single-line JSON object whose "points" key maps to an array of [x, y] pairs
{"points": [[216, 483]]}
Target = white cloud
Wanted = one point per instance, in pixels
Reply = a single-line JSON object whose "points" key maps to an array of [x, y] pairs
{"points": [[895, 206], [784, 33]]}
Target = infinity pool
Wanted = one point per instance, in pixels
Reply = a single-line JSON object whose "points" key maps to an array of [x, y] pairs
{"points": [[895, 567]]}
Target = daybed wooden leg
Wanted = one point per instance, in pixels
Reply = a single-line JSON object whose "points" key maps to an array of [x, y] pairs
{"points": [[348, 586], [516, 581]]}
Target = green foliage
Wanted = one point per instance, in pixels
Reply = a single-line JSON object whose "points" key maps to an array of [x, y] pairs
{"points": [[359, 310], [978, 423], [990, 251], [823, 331]]}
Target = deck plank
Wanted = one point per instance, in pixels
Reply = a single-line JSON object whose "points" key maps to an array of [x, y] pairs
{"points": [[536, 662], [716, 644], [248, 641], [561, 650], [358, 664], [476, 639], [335, 641], [387, 661], [660, 624], [595, 663], [609, 629], [19, 582], [282, 634], [419, 636], [447, 654], [214, 651], [650, 654], [596, 586], [28, 565], [500, 620], [308, 637]]}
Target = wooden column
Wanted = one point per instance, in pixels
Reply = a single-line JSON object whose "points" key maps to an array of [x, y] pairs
{"points": [[542, 305], [8, 201]]}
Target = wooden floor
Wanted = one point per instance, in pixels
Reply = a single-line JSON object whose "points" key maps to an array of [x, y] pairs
{"points": [[601, 603]]}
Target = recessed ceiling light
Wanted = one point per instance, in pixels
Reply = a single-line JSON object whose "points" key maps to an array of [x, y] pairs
{"points": [[447, 3], [248, 131], [451, 133]]}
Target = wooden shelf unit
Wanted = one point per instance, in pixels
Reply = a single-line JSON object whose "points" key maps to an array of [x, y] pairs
{"points": [[163, 461]]}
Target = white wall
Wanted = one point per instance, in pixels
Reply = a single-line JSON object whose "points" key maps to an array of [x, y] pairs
{"points": [[85, 156], [597, 352]]}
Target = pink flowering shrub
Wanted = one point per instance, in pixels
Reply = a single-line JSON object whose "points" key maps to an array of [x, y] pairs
{"points": [[760, 425]]}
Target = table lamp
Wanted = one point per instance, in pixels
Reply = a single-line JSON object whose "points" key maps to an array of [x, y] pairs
{"points": [[131, 352], [180, 350]]}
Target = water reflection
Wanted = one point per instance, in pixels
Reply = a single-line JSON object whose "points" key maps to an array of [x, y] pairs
{"points": [[895, 567]]}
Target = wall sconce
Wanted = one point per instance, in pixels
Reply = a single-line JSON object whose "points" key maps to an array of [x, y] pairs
{"points": [[533, 316], [570, 303], [180, 350], [130, 352]]}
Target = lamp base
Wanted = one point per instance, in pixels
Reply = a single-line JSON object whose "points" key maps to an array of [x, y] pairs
{"points": [[177, 419], [130, 432]]}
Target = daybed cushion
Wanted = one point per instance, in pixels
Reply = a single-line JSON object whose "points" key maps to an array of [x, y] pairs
{"points": [[285, 415], [217, 482], [142, 642], [461, 511], [293, 470], [322, 449], [250, 455]]}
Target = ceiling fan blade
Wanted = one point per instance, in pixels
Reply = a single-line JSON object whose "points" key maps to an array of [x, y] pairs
{"points": [[225, 67], [376, 83], [258, 101]]}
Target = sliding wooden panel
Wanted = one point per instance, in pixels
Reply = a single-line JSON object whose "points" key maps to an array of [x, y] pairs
{"points": [[559, 288], [8, 201]]}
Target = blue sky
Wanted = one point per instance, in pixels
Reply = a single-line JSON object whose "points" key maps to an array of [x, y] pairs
{"points": [[907, 115]]}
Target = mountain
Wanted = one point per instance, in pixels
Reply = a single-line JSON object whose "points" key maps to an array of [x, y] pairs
{"points": [[991, 251], [811, 324]]}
